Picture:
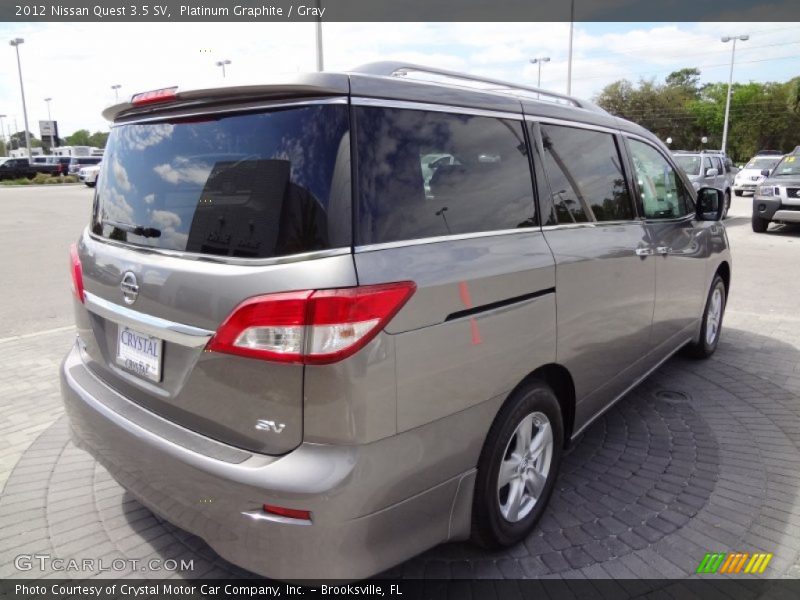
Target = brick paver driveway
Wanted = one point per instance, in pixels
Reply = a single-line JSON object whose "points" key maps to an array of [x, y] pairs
{"points": [[703, 456]]}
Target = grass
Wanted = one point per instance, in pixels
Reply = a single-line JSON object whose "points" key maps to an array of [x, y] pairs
{"points": [[41, 179]]}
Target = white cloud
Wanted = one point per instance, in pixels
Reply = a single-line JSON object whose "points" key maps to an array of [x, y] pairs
{"points": [[76, 63]]}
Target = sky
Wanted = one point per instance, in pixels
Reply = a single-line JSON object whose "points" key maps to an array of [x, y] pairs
{"points": [[75, 64]]}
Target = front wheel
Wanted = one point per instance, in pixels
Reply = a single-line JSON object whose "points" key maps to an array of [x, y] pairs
{"points": [[90, 184], [759, 225], [712, 321], [518, 467], [727, 205]]}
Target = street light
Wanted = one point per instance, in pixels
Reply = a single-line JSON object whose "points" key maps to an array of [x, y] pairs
{"points": [[50, 120], [569, 59], [116, 87], [3, 133], [222, 63], [725, 40], [318, 39], [16, 43], [539, 61]]}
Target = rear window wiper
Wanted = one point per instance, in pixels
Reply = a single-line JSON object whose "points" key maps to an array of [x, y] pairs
{"points": [[148, 232]]}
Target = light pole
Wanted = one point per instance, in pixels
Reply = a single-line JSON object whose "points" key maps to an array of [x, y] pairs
{"points": [[50, 120], [116, 87], [569, 59], [538, 61], [222, 63], [725, 40], [320, 67], [16, 42], [3, 134]]}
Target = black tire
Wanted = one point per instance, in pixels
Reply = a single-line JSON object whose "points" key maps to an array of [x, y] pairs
{"points": [[89, 183], [490, 528], [727, 205], [705, 347], [738, 192], [759, 225]]}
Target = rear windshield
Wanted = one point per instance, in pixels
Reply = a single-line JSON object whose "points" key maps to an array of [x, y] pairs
{"points": [[249, 185], [690, 163]]}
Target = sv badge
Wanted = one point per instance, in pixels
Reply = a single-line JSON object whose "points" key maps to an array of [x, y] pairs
{"points": [[264, 425]]}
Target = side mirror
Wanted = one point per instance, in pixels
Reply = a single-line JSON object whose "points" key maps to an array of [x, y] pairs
{"points": [[765, 172], [710, 204], [711, 172]]}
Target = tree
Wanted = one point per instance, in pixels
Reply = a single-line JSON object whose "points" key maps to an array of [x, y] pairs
{"points": [[762, 115], [79, 138], [98, 139]]}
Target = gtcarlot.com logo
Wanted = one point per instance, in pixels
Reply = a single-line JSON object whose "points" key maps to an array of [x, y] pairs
{"points": [[46, 562], [734, 562]]}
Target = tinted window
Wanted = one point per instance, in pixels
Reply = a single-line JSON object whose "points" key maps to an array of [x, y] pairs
{"points": [[717, 164], [689, 163], [425, 174], [663, 194], [706, 163], [585, 175], [256, 185]]}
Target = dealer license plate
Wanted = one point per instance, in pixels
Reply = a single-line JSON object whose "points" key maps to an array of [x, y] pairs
{"points": [[139, 353]]}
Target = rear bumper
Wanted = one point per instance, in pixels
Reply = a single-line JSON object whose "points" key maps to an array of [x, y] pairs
{"points": [[216, 491]]}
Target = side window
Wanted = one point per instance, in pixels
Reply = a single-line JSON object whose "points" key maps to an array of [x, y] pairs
{"points": [[663, 194], [425, 174], [706, 164], [718, 165], [585, 174]]}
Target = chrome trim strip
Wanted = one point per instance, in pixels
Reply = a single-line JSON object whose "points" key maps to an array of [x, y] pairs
{"points": [[568, 123], [226, 260], [444, 238], [181, 112], [447, 108], [185, 335]]}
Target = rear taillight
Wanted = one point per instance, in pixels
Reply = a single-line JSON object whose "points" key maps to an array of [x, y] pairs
{"points": [[290, 513], [77, 272], [310, 327]]}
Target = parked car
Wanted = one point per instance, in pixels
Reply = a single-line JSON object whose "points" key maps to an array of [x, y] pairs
{"points": [[88, 175], [708, 169], [16, 168], [76, 162], [752, 174], [322, 370], [777, 198]]}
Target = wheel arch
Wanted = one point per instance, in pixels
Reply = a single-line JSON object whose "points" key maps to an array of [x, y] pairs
{"points": [[559, 378], [724, 271]]}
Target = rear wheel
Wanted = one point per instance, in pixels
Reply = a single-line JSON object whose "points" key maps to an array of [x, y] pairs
{"points": [[738, 192], [712, 321], [727, 205], [759, 225], [90, 183], [518, 467]]}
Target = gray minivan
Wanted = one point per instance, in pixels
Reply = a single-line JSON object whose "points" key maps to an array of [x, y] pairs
{"points": [[330, 322]]}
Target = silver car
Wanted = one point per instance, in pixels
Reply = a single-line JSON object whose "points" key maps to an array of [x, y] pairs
{"points": [[305, 338], [708, 169]]}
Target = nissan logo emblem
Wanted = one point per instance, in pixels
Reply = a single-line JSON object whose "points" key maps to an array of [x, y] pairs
{"points": [[129, 287]]}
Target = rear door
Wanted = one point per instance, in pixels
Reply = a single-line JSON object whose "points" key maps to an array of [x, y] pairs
{"points": [[192, 216], [605, 272], [445, 199]]}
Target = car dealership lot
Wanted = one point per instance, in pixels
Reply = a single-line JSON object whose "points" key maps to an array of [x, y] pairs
{"points": [[704, 456]]}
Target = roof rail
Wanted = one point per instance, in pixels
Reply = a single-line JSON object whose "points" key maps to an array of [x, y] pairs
{"points": [[401, 69]]}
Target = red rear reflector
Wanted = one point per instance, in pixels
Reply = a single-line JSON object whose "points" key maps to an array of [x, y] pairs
{"points": [[291, 513], [77, 272], [163, 95], [310, 327]]}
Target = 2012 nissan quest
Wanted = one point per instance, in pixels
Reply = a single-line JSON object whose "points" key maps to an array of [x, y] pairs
{"points": [[330, 322]]}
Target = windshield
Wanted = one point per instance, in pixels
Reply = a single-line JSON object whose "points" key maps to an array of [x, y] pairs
{"points": [[254, 185], [689, 162], [763, 162], [789, 166]]}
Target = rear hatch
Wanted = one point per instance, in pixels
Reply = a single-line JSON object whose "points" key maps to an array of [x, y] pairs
{"points": [[193, 215]]}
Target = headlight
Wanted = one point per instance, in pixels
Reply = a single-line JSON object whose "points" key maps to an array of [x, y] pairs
{"points": [[765, 190]]}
